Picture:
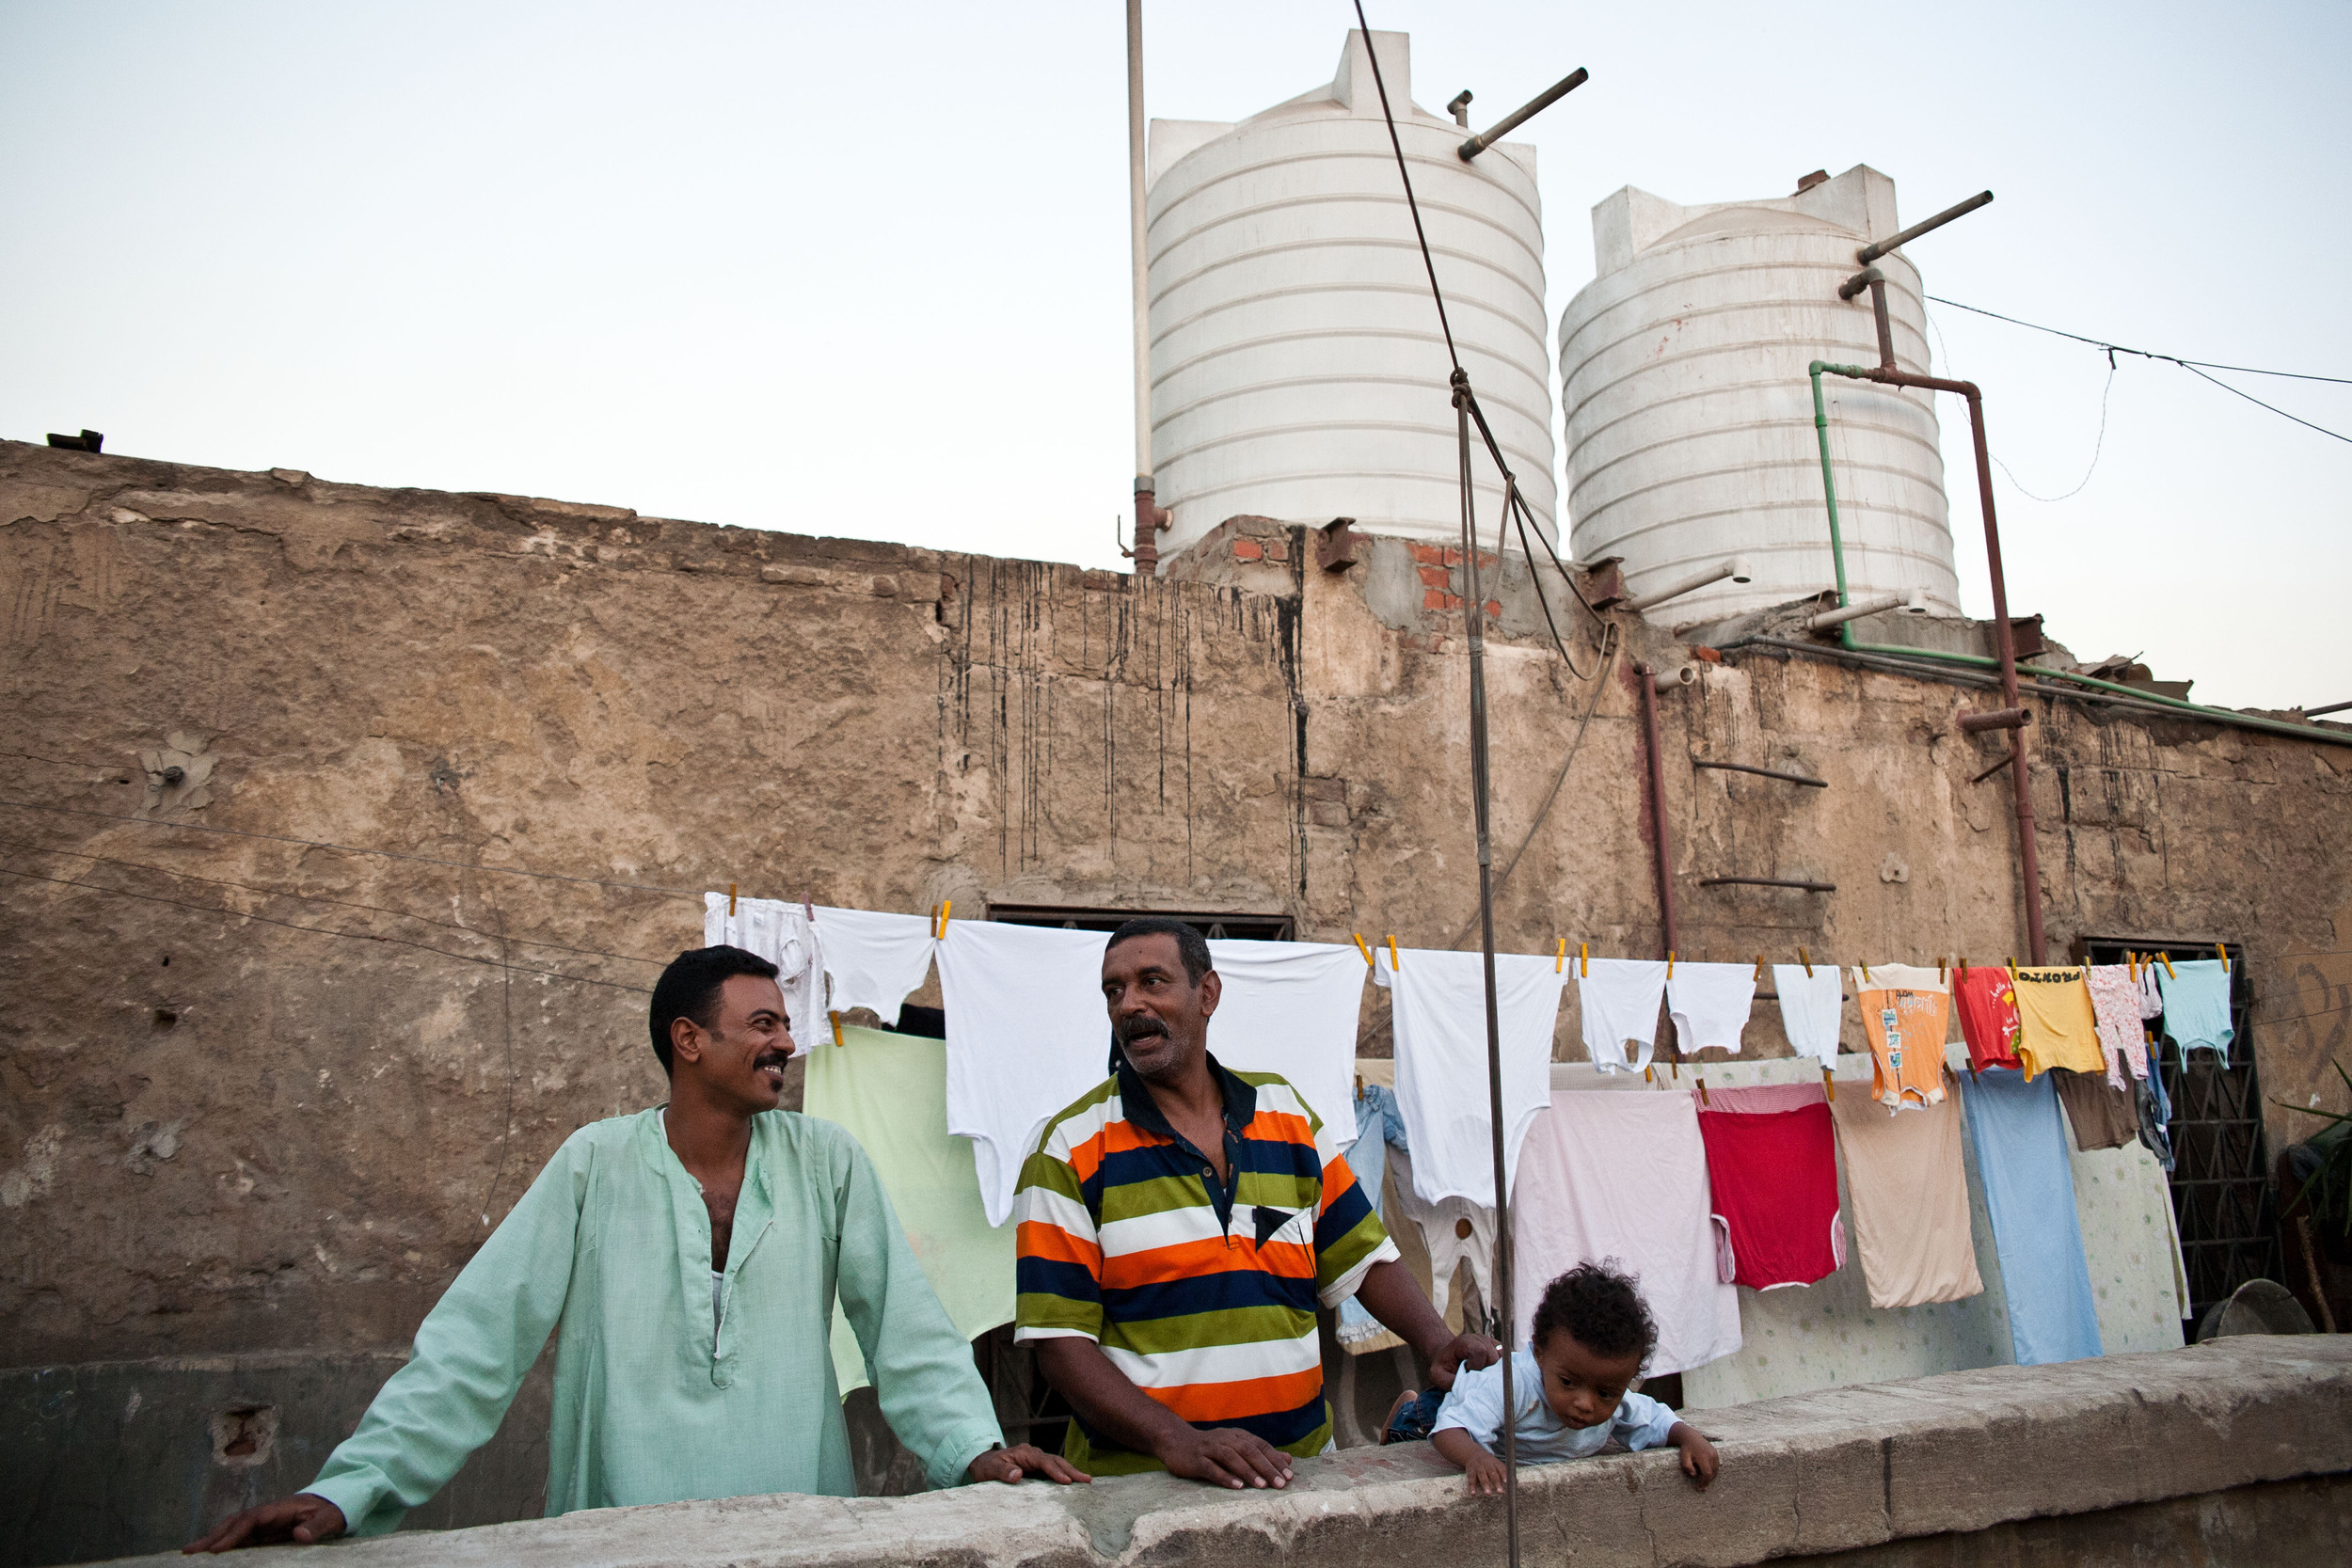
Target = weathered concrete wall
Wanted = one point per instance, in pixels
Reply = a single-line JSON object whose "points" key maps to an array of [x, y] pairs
{"points": [[225, 1132], [119, 1457], [1928, 1471]]}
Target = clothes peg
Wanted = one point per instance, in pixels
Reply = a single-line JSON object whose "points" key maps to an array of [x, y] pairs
{"points": [[1829, 1085], [1759, 969], [946, 909], [837, 1041], [1649, 1075], [1703, 1100], [1561, 961], [1866, 975], [730, 900], [1359, 1086], [1361, 948], [1393, 966], [1939, 969], [2225, 957], [1806, 958], [1670, 963], [808, 911], [1964, 968], [1583, 960], [2175, 974]]}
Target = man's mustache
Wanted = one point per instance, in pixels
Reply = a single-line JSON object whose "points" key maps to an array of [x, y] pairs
{"points": [[767, 1059], [1142, 1026]]}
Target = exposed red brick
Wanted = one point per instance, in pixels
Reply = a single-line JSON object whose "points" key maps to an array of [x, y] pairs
{"points": [[1278, 550], [1494, 608], [1707, 655], [1247, 549], [1437, 598], [1434, 577], [1428, 555]]}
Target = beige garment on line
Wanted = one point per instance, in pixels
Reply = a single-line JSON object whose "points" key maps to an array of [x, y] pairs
{"points": [[1910, 1189]]}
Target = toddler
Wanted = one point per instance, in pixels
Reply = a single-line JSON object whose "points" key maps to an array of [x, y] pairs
{"points": [[1592, 1335]]}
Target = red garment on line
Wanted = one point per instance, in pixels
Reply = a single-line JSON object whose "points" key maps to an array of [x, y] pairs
{"points": [[1775, 1179], [1988, 1016]]}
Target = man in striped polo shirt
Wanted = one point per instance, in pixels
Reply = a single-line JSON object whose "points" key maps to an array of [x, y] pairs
{"points": [[1179, 1226]]}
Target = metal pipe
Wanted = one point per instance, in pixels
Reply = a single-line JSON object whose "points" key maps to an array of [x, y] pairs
{"points": [[1915, 602], [1762, 773], [2005, 642], [1998, 763], [1871, 252], [1974, 722], [1676, 679], [1736, 569], [1858, 282], [1661, 853], [1766, 882], [2331, 707], [1459, 108], [1542, 101]]}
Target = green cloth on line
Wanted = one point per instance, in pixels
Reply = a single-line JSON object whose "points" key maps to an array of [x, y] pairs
{"points": [[654, 1403], [890, 1091]]}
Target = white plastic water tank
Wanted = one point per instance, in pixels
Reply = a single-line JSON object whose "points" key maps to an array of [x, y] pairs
{"points": [[1690, 418], [1297, 368]]}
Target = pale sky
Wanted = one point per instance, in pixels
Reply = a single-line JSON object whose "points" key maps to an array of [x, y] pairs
{"points": [[863, 270]]}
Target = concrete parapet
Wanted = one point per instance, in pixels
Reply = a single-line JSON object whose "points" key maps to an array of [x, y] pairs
{"points": [[1933, 1461]]}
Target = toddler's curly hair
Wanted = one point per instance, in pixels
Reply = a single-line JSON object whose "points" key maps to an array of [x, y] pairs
{"points": [[1599, 1306]]}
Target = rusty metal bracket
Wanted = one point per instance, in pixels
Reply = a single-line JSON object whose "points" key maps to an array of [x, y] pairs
{"points": [[1763, 773], [2006, 758], [1768, 882], [1972, 721], [1335, 544]]}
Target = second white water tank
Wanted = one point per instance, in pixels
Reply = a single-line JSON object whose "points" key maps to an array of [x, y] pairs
{"points": [[1689, 416], [1297, 367]]}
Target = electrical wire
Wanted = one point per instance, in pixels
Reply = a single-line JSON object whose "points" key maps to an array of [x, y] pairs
{"points": [[2097, 445], [320, 931], [353, 849], [321, 899], [2195, 367]]}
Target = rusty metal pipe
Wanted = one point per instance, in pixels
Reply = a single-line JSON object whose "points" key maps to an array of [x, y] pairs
{"points": [[1973, 722], [1663, 853], [1511, 122]]}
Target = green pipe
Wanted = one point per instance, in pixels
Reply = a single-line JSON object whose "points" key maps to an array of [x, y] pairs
{"points": [[1846, 637]]}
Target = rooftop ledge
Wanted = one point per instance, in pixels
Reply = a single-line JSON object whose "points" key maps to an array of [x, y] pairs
{"points": [[1838, 1472]]}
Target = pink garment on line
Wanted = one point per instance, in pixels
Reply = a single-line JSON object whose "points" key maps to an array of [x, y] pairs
{"points": [[1606, 1174], [2115, 1014]]}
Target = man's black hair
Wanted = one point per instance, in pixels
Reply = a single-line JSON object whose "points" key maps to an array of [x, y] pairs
{"points": [[1191, 947], [690, 988], [1602, 1308]]}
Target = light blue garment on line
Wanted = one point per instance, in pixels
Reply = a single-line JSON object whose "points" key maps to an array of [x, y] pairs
{"points": [[1379, 1122], [2020, 1141], [1475, 1405], [2197, 1004]]}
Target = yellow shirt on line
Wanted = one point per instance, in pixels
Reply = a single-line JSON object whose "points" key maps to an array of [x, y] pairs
{"points": [[2055, 1026]]}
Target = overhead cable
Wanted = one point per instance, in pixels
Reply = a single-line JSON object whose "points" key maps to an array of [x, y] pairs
{"points": [[320, 931], [354, 849], [2195, 367]]}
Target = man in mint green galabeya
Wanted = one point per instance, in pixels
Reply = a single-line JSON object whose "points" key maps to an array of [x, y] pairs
{"points": [[689, 1256]]}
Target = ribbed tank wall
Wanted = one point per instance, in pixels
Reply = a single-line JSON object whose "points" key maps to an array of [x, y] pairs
{"points": [[1689, 416], [1297, 367]]}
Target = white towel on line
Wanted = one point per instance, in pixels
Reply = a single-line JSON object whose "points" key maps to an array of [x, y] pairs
{"points": [[1028, 1033], [1619, 1000], [1441, 1080], [875, 960]]}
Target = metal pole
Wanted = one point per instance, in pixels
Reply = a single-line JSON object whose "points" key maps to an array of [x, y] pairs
{"points": [[1870, 253], [1474, 616], [1149, 518]]}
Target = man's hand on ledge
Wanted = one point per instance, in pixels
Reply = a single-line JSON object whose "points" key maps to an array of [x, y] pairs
{"points": [[1225, 1456], [302, 1519], [1025, 1459], [1471, 1349]]}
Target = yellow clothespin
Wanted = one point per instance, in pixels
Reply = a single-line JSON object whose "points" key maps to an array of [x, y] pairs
{"points": [[1866, 975], [837, 1041], [1366, 952], [1670, 963], [2167, 965], [1806, 958], [1560, 962], [1939, 969], [938, 931], [1829, 1085], [1395, 967], [730, 900], [1703, 1100], [1583, 960], [1963, 967], [1759, 969], [1359, 1086], [1649, 1075], [2013, 970], [2225, 957]]}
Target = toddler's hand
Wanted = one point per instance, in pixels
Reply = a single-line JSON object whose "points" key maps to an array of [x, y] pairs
{"points": [[1485, 1475], [1698, 1454]]}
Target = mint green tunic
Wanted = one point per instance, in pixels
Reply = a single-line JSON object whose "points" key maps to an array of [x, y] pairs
{"points": [[611, 1247]]}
